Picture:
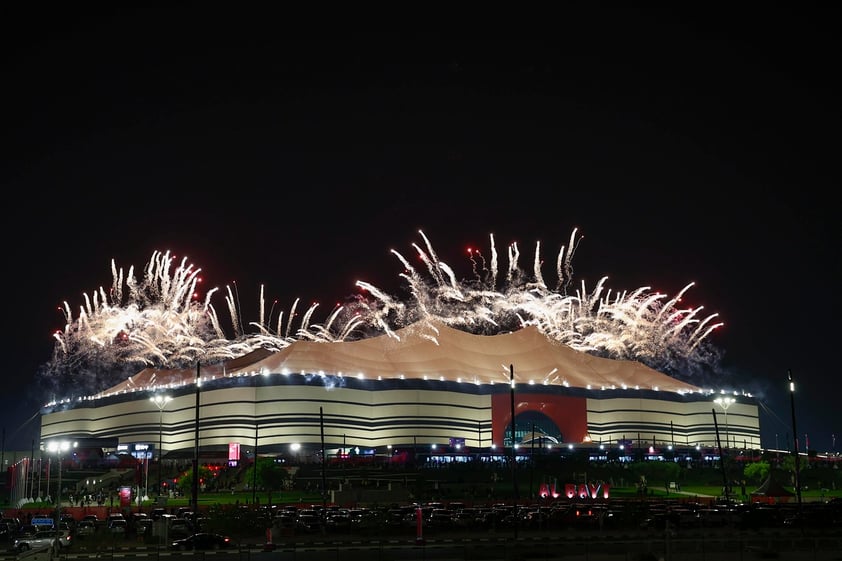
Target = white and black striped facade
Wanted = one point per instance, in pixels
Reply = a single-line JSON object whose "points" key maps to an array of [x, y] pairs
{"points": [[277, 410]]}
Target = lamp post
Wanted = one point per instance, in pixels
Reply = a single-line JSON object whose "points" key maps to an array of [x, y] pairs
{"points": [[160, 402], [725, 403], [795, 439], [58, 447]]}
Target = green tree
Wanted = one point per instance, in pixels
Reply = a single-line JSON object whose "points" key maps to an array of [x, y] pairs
{"points": [[756, 472], [788, 464], [266, 474], [185, 482]]}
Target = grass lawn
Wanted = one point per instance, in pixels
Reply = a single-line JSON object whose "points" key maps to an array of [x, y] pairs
{"points": [[248, 498]]}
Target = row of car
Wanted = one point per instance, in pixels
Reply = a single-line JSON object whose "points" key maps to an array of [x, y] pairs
{"points": [[136, 524], [22, 537], [40, 531], [563, 515], [62, 539], [28, 537]]}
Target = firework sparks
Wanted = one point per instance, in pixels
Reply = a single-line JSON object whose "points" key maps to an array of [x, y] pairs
{"points": [[158, 322]]}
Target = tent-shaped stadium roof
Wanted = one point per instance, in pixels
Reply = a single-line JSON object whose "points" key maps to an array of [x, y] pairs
{"points": [[433, 351]]}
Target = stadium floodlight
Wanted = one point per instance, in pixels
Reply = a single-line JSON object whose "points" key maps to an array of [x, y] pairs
{"points": [[725, 403]]}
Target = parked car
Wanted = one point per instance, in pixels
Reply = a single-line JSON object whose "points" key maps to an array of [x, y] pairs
{"points": [[6, 532], [180, 527], [85, 528], [144, 526], [184, 512], [156, 512], [14, 523], [65, 535], [38, 540], [309, 522], [68, 520], [139, 522], [118, 526], [27, 530], [202, 541]]}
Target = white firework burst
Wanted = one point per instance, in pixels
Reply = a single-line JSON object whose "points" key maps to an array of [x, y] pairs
{"points": [[159, 322]]}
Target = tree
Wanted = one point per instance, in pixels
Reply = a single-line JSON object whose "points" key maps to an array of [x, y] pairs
{"points": [[185, 482], [756, 472], [788, 463], [266, 474]]}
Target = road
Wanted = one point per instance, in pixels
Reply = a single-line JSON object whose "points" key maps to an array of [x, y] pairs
{"points": [[726, 546]]}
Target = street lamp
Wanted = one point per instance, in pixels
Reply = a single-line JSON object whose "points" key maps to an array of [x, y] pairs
{"points": [[58, 447], [725, 403], [795, 438], [160, 402]]}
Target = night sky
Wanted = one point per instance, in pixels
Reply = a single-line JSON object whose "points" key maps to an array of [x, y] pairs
{"points": [[682, 152]]}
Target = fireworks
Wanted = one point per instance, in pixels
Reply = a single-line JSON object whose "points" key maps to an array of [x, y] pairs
{"points": [[158, 322]]}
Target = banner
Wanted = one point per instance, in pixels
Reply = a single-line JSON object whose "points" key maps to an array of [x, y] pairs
{"points": [[125, 496]]}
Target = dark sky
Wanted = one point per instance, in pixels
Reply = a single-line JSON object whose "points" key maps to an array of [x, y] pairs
{"points": [[683, 152]]}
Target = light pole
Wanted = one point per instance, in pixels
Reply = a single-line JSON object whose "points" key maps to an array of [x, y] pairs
{"points": [[57, 447], [160, 402], [725, 403], [795, 439]]}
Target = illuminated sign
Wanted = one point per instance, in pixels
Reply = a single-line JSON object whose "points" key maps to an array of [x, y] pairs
{"points": [[140, 450], [574, 491], [233, 453], [125, 496]]}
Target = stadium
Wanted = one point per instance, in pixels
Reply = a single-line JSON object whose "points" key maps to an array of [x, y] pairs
{"points": [[473, 369], [424, 391]]}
